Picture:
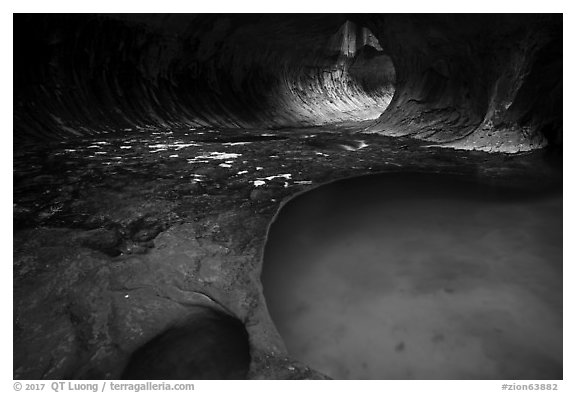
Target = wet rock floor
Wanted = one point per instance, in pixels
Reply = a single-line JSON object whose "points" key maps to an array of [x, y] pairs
{"points": [[118, 236]]}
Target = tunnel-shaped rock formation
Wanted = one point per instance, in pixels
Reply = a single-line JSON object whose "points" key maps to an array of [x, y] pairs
{"points": [[89, 74], [489, 82]]}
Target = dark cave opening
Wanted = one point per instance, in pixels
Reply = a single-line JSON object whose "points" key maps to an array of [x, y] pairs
{"points": [[419, 276]]}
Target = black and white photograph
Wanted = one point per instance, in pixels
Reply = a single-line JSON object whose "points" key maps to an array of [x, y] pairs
{"points": [[286, 196]]}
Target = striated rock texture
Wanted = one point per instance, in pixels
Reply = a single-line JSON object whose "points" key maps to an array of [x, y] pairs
{"points": [[486, 82], [85, 74]]}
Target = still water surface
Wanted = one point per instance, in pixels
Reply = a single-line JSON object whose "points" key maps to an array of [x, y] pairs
{"points": [[417, 276]]}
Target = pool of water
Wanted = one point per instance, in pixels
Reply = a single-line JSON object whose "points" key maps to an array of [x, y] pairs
{"points": [[412, 276]]}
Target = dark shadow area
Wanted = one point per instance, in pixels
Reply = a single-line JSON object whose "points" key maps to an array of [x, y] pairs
{"points": [[208, 345], [415, 276]]}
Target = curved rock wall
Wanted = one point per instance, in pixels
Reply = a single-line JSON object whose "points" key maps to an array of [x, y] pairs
{"points": [[84, 74], [486, 82]]}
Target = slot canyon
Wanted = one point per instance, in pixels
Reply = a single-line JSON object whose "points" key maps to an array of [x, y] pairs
{"points": [[287, 196]]}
